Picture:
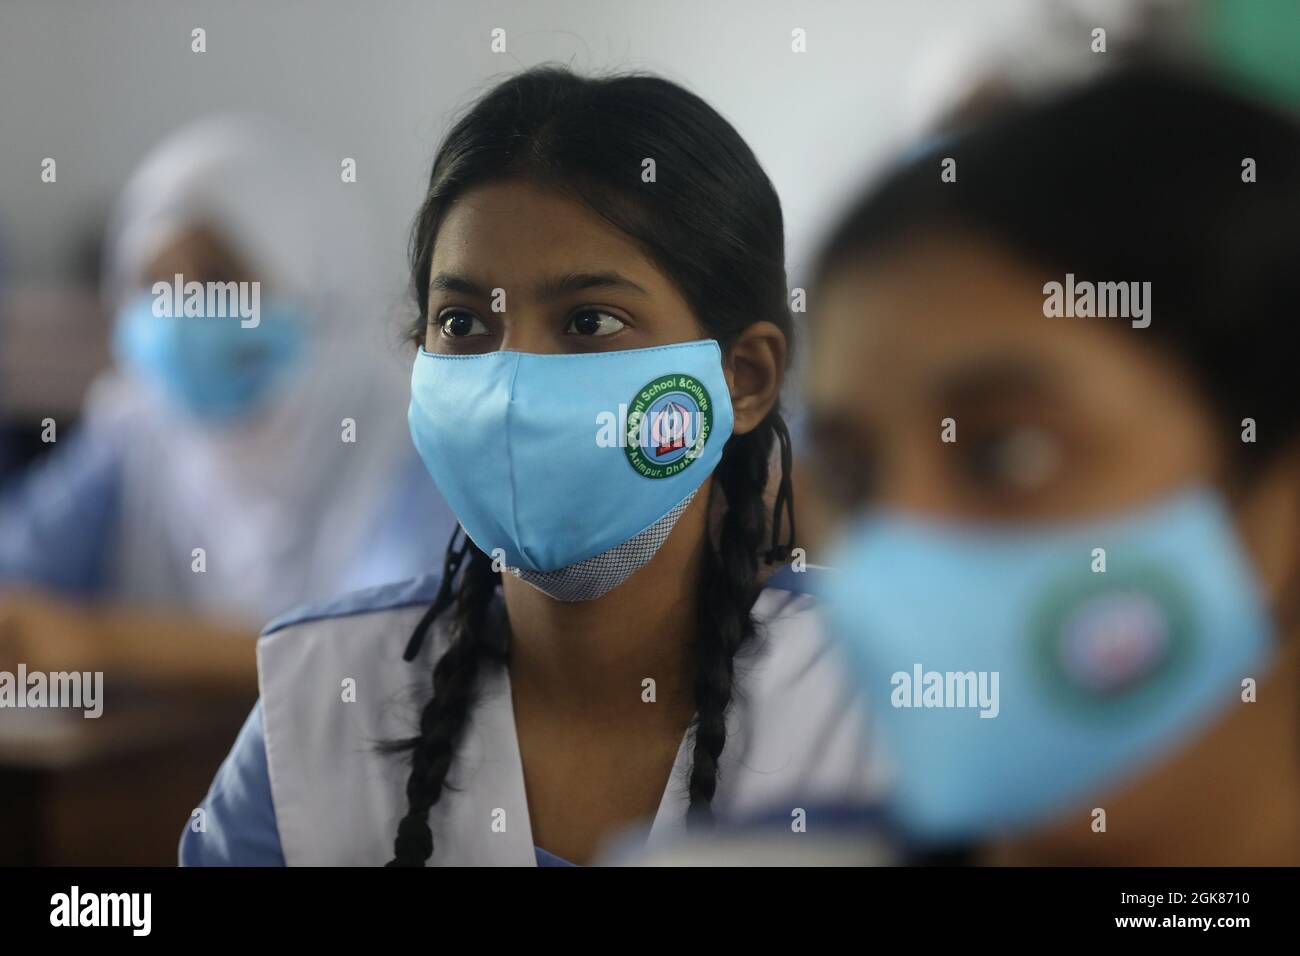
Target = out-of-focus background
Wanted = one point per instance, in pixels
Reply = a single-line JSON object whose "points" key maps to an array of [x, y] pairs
{"points": [[95, 86]]}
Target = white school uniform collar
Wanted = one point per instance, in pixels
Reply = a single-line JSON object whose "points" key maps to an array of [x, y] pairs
{"points": [[796, 731]]}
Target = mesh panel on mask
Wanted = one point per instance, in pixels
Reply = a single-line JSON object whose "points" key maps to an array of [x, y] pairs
{"points": [[589, 579]]}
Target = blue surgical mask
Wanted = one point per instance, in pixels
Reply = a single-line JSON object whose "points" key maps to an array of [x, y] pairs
{"points": [[1068, 680], [571, 468], [214, 368]]}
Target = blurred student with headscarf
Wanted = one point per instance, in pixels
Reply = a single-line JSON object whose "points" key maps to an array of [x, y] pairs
{"points": [[278, 447]]}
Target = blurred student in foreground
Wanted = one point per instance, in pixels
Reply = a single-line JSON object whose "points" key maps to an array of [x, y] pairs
{"points": [[214, 481], [1069, 567]]}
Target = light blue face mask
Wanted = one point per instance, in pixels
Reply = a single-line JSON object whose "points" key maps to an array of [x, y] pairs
{"points": [[1084, 676], [215, 369], [571, 468]]}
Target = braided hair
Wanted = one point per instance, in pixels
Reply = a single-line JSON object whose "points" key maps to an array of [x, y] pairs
{"points": [[713, 223]]}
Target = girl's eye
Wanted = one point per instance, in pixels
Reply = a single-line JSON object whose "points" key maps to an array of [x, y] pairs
{"points": [[1021, 459], [455, 325], [594, 322]]}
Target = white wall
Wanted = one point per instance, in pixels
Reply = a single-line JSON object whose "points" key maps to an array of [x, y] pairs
{"points": [[93, 83]]}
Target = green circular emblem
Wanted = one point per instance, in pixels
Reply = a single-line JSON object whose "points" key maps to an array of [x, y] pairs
{"points": [[668, 423], [1112, 642]]}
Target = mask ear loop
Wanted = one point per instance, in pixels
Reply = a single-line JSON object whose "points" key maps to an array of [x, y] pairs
{"points": [[451, 563], [779, 553]]}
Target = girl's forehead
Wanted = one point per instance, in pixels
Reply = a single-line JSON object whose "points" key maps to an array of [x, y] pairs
{"points": [[525, 210], [522, 224], [519, 235], [904, 325]]}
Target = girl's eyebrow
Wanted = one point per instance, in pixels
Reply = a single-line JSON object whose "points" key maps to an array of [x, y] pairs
{"points": [[557, 286], [997, 379], [449, 282], [551, 288]]}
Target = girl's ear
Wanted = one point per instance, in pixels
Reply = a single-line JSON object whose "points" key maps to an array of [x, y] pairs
{"points": [[754, 365], [1268, 516]]}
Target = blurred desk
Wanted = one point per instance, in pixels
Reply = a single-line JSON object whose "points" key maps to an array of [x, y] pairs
{"points": [[116, 790]]}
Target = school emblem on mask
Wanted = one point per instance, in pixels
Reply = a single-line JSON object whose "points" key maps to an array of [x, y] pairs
{"points": [[1112, 637], [668, 424]]}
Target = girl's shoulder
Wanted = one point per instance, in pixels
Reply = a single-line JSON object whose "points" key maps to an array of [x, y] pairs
{"points": [[334, 689], [375, 623], [798, 729], [334, 685], [362, 632], [786, 596], [382, 598], [792, 650], [370, 629], [789, 593]]}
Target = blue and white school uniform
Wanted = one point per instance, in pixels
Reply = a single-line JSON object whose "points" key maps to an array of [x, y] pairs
{"points": [[306, 785]]}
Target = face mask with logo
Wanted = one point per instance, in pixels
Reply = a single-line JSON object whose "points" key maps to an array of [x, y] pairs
{"points": [[1013, 680], [213, 368], [571, 468]]}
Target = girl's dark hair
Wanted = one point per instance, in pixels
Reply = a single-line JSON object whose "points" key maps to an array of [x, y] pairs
{"points": [[712, 222], [1135, 177]]}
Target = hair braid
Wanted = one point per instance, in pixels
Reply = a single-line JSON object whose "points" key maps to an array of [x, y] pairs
{"points": [[726, 597], [443, 720]]}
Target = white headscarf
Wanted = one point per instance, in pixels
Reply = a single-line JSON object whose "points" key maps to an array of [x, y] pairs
{"points": [[281, 505]]}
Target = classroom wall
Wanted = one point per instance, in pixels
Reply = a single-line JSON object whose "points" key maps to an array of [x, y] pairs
{"points": [[95, 84]]}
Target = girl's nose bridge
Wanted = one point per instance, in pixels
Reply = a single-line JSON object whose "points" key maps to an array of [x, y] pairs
{"points": [[528, 328]]}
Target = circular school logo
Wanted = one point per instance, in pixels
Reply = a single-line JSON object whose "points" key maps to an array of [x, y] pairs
{"points": [[1103, 639], [668, 424]]}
